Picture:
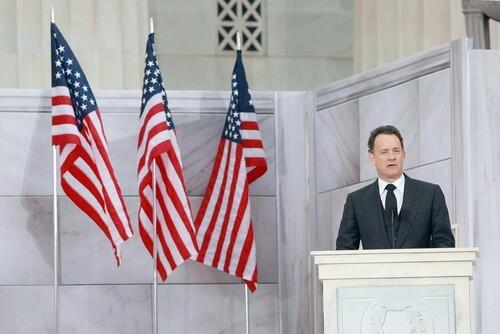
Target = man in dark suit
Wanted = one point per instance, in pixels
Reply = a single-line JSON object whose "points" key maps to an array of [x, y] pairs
{"points": [[395, 211]]}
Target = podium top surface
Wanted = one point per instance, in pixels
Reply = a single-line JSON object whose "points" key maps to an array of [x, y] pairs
{"points": [[395, 263], [395, 255]]}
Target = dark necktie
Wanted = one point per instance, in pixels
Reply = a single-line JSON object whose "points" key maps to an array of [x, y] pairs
{"points": [[391, 214]]}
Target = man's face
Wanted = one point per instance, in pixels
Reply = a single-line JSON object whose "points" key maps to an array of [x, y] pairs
{"points": [[388, 157]]}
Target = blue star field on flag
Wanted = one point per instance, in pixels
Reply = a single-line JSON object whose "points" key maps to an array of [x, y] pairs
{"points": [[240, 101], [153, 82], [66, 71]]}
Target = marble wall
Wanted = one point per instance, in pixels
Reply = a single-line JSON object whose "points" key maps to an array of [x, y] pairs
{"points": [[305, 43], [387, 30], [95, 296], [484, 184], [107, 36], [295, 211]]}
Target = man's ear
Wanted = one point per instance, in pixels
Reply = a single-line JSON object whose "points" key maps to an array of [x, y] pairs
{"points": [[371, 158]]}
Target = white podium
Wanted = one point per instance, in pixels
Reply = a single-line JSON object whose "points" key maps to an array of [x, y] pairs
{"points": [[400, 291]]}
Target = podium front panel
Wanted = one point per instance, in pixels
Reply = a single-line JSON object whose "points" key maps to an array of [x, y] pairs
{"points": [[396, 309]]}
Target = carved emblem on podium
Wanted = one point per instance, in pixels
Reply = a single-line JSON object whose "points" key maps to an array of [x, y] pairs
{"points": [[407, 316]]}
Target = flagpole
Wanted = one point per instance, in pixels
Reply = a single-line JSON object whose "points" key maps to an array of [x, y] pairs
{"points": [[155, 256], [155, 237], [55, 222], [238, 41], [247, 315], [52, 16], [56, 239]]}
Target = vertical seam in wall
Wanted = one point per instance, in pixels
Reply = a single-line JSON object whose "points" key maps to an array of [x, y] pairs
{"points": [[461, 153], [307, 204], [476, 318], [313, 214], [467, 110], [461, 130], [276, 207], [453, 105]]}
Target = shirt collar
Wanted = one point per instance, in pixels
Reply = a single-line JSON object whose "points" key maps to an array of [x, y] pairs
{"points": [[399, 183]]}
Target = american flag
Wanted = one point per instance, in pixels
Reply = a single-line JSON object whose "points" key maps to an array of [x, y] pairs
{"points": [[223, 224], [157, 143], [87, 176]]}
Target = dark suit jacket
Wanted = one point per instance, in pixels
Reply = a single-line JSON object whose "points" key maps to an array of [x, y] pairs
{"points": [[424, 220]]}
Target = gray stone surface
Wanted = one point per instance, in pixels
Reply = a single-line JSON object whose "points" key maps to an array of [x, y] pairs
{"points": [[26, 241], [434, 107], [337, 146], [26, 167], [26, 309], [220, 308], [105, 309]]}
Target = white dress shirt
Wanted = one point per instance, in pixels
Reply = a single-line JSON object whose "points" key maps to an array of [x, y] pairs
{"points": [[398, 192]]}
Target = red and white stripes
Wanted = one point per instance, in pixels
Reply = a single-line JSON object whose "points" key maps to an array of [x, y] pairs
{"points": [[157, 143], [87, 176], [224, 227], [255, 157]]}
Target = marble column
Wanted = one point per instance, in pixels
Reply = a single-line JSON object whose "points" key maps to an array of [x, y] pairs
{"points": [[108, 37], [387, 30]]}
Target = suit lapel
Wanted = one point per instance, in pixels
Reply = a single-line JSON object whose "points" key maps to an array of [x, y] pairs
{"points": [[411, 201], [373, 210]]}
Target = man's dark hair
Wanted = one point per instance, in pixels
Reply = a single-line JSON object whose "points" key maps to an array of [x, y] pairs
{"points": [[386, 130]]}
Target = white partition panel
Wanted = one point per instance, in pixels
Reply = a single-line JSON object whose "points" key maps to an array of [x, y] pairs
{"points": [[95, 295], [483, 193]]}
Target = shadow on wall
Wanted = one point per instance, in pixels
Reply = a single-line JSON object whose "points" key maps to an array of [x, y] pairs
{"points": [[38, 206]]}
